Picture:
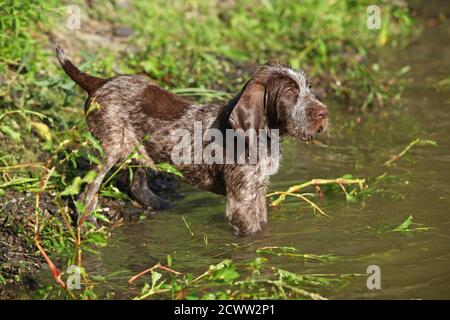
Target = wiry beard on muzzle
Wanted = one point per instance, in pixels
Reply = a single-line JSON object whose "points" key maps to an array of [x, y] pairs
{"points": [[299, 126]]}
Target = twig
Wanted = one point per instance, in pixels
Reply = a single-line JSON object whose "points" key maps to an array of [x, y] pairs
{"points": [[42, 186], [312, 295], [156, 266], [65, 217], [187, 226], [315, 206], [53, 269], [22, 111], [407, 148], [23, 165], [292, 191]]}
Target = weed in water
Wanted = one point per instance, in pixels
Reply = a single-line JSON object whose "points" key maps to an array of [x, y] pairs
{"points": [[294, 191], [408, 147]]}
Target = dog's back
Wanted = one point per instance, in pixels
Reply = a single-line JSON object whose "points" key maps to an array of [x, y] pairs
{"points": [[130, 112], [127, 109]]}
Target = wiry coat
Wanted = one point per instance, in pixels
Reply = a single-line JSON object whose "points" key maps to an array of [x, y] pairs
{"points": [[122, 111]]}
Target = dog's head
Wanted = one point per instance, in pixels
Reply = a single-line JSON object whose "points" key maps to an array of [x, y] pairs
{"points": [[277, 97]]}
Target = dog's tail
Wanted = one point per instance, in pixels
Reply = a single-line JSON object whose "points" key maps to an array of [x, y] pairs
{"points": [[87, 82]]}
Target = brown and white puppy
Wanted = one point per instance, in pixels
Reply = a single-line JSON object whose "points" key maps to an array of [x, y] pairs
{"points": [[123, 110]]}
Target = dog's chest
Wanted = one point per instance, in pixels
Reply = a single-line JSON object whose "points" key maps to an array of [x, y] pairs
{"points": [[165, 136]]}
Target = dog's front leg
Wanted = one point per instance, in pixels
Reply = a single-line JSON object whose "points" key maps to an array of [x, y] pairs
{"points": [[246, 205]]}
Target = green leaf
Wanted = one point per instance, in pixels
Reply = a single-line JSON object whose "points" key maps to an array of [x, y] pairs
{"points": [[226, 274], [351, 197], [145, 288], [100, 216], [113, 192], [166, 167], [79, 206], [405, 225], [97, 239], [225, 271], [284, 274], [89, 176], [73, 188], [42, 130], [155, 278], [17, 181], [404, 70], [77, 182], [94, 142], [10, 132]]}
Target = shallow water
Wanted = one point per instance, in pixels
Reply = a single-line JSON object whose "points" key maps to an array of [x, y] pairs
{"points": [[413, 265]]}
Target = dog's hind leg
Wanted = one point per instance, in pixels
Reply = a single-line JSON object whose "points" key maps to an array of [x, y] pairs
{"points": [[89, 197], [139, 189], [141, 192]]}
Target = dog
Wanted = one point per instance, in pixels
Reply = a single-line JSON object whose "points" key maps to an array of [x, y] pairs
{"points": [[122, 111]]}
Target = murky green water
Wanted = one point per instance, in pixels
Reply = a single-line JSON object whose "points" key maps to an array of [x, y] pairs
{"points": [[413, 265]]}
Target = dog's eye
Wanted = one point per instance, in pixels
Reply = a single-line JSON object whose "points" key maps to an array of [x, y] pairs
{"points": [[289, 90]]}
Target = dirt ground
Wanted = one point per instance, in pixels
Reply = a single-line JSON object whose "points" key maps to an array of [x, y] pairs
{"points": [[19, 257]]}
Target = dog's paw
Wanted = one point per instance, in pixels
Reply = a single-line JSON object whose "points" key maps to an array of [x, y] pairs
{"points": [[160, 204], [247, 231]]}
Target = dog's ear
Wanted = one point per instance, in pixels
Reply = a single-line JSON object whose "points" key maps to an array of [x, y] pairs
{"points": [[249, 111]]}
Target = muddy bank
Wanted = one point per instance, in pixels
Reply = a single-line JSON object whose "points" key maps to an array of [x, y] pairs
{"points": [[19, 257]]}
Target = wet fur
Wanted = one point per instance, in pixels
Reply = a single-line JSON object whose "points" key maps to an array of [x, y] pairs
{"points": [[121, 111]]}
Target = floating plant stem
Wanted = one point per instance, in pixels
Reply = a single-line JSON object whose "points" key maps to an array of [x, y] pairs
{"points": [[408, 147], [294, 191]]}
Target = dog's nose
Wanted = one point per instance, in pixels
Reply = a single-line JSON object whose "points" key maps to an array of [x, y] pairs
{"points": [[322, 112]]}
